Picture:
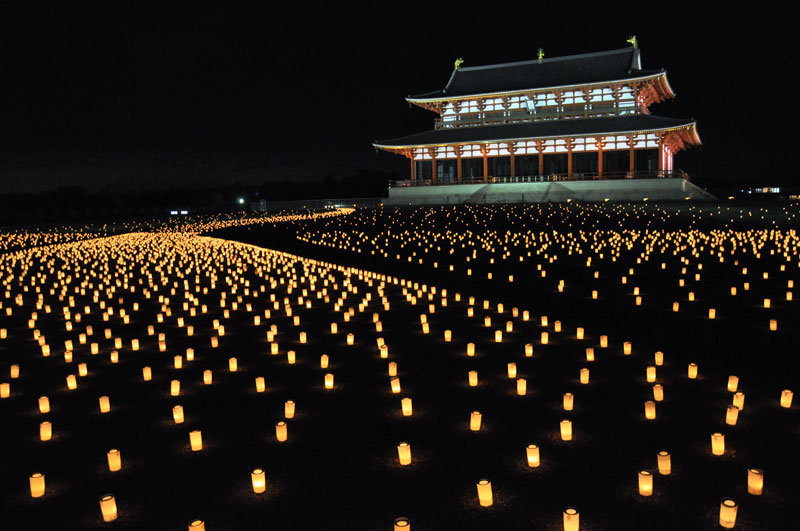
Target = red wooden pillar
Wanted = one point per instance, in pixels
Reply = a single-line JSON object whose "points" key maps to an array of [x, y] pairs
{"points": [[485, 153], [569, 157], [541, 156], [413, 165], [631, 164], [660, 153], [511, 151], [458, 163], [433, 165]]}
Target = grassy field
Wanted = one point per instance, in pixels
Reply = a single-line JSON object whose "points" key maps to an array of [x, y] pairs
{"points": [[541, 292]]}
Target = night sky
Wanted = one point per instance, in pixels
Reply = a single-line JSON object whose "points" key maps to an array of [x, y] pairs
{"points": [[112, 97]]}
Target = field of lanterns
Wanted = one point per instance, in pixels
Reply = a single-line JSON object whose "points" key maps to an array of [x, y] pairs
{"points": [[555, 366]]}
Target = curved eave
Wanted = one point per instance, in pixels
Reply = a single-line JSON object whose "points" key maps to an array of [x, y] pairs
{"points": [[688, 132], [423, 101]]}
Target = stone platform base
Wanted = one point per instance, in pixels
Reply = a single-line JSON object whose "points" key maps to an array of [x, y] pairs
{"points": [[595, 190]]}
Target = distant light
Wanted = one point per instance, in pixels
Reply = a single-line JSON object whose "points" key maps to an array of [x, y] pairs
{"points": [[173, 212], [241, 200], [184, 212]]}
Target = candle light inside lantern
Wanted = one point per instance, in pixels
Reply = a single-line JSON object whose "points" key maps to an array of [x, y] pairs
{"points": [[37, 485], [692, 371], [589, 354], [197, 525], [147, 374], [659, 358], [406, 407], [485, 493], [649, 410], [259, 480], [196, 440], [664, 463], [773, 324], [584, 376], [755, 481], [402, 524], [512, 370], [44, 404], [14, 371], [626, 348], [177, 414], [732, 415], [351, 338], [448, 336], [645, 483], [579, 333], [566, 430], [522, 386], [603, 341], [323, 361], [261, 386], [651, 374], [404, 453], [233, 364], [658, 392], [288, 409], [175, 387], [727, 513], [568, 401], [108, 508], [786, 398], [470, 349], [571, 519], [528, 350], [5, 390], [208, 377], [532, 453], [114, 460], [82, 369], [71, 382], [475, 421], [738, 400], [384, 349], [392, 368], [395, 385], [281, 431], [328, 381], [544, 338], [105, 404], [733, 383], [717, 444]]}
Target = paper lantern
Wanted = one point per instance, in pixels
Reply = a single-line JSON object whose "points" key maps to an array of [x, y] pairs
{"points": [[571, 519], [190, 354], [712, 313], [727, 513], [645, 483], [475, 421], [108, 508], [175, 387], [259, 480], [732, 415], [568, 401], [649, 410], [302, 337], [566, 430], [658, 392], [196, 440], [207, 377], [329, 381], [178, 361], [105, 404], [392, 368], [37, 484], [532, 455], [738, 400], [485, 492], [773, 324], [448, 336], [288, 409], [528, 350], [664, 463], [114, 460], [72, 383], [177, 414], [404, 453], [5, 390], [14, 371], [733, 383], [261, 386], [651, 374], [584, 378], [692, 371], [717, 444], [402, 523], [384, 350], [544, 338], [603, 341], [512, 370], [755, 481], [82, 369], [676, 306], [214, 342], [522, 386], [589, 354], [45, 431], [147, 374], [233, 364], [626, 348], [659, 358], [406, 407], [395, 385], [44, 404], [470, 349], [323, 361], [281, 431], [786, 398]]}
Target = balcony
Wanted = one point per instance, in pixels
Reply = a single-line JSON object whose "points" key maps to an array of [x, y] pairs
{"points": [[556, 177], [551, 112]]}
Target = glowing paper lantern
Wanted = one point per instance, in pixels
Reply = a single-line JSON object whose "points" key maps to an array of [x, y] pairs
{"points": [[692, 371], [571, 519], [261, 386], [323, 361], [177, 414], [645, 483], [589, 354], [105, 404], [755, 481], [773, 324], [147, 374], [448, 336], [649, 410], [14, 371], [406, 407], [82, 369], [45, 431], [288, 409], [233, 364], [528, 350], [44, 404], [733, 383], [664, 463], [512, 370], [5, 390], [738, 400], [108, 508], [475, 421], [566, 430], [470, 349], [178, 361], [522, 386], [651, 374], [568, 401], [532, 454], [259, 480], [658, 392], [207, 377], [351, 338], [175, 387], [604, 341], [485, 493], [717, 444], [392, 368], [71, 382], [584, 378], [114, 460], [544, 338], [37, 485], [727, 513], [329, 381], [395, 384], [281, 431], [786, 398], [196, 440], [732, 415], [404, 453], [402, 523], [626, 348]]}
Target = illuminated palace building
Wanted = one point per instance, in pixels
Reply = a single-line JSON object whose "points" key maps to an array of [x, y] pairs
{"points": [[581, 118]]}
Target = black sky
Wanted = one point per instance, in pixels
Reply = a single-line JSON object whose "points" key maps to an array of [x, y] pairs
{"points": [[112, 97]]}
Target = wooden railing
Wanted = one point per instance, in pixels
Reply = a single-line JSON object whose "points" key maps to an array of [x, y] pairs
{"points": [[551, 112], [555, 177]]}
